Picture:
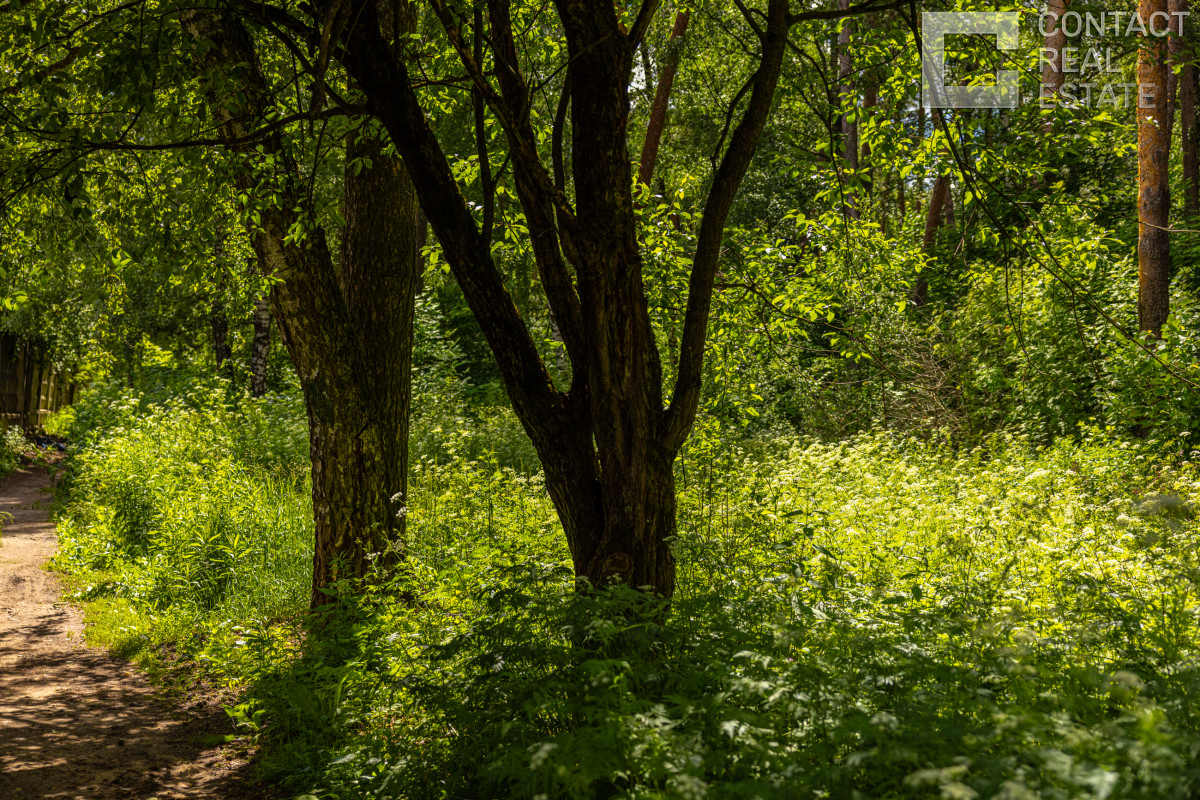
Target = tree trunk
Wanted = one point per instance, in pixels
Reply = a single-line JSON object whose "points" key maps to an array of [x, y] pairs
{"points": [[349, 339], [359, 460], [218, 320], [1055, 41], [260, 347], [870, 101], [1154, 149], [933, 214], [849, 118], [606, 444], [662, 99], [219, 323], [938, 199], [1184, 52]]}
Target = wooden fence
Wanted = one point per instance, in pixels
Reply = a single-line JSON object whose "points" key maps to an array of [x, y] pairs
{"points": [[30, 390]]}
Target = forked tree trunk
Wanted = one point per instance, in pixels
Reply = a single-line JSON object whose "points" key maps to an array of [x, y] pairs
{"points": [[1154, 149], [607, 444], [260, 347]]}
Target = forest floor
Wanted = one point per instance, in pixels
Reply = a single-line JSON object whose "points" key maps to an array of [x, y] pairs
{"points": [[76, 721]]}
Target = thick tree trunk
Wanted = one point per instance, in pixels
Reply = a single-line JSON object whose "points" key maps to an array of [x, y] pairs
{"points": [[607, 444], [632, 543], [1154, 204], [378, 281], [347, 338], [260, 347]]}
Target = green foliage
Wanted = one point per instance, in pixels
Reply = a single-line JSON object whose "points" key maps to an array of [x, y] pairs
{"points": [[185, 517], [13, 446], [875, 618]]}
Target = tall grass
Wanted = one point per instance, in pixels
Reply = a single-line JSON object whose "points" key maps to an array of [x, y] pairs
{"points": [[878, 618]]}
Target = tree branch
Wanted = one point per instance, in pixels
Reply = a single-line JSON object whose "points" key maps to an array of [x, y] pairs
{"points": [[385, 81], [642, 23], [681, 413]]}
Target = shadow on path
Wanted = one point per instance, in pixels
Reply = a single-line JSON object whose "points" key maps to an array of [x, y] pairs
{"points": [[76, 722]]}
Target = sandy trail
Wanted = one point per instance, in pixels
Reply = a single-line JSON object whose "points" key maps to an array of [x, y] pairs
{"points": [[76, 722]]}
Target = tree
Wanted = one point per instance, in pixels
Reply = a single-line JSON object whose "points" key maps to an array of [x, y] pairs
{"points": [[1052, 66], [1183, 57], [607, 444], [349, 334], [1154, 200], [849, 117], [608, 441]]}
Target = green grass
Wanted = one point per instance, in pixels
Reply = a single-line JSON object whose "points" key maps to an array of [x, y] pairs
{"points": [[879, 618]]}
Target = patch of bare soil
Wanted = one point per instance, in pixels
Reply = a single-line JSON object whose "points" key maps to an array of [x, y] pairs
{"points": [[76, 722]]}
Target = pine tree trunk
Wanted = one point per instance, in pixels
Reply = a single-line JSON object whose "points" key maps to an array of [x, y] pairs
{"points": [[1189, 132], [1154, 149], [849, 120], [1055, 41]]}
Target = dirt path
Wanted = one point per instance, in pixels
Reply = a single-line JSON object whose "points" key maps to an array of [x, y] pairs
{"points": [[76, 722]]}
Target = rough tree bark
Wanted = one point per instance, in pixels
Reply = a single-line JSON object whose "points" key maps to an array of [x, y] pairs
{"points": [[344, 340], [607, 444], [1154, 203]]}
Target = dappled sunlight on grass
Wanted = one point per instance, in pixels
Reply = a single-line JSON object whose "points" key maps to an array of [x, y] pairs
{"points": [[883, 617]]}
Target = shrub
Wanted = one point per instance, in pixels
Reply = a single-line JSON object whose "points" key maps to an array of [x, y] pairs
{"points": [[882, 617]]}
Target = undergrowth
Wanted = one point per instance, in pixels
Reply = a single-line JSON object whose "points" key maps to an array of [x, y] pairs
{"points": [[882, 618]]}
